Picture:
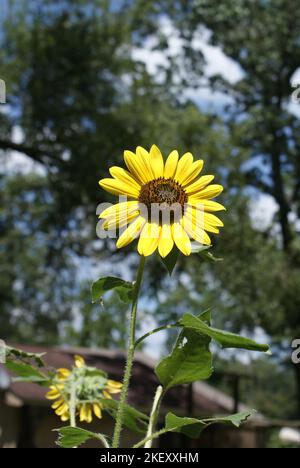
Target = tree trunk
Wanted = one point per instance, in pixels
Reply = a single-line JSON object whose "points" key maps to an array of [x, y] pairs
{"points": [[281, 199]]}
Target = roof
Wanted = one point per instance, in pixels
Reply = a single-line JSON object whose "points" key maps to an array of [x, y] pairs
{"points": [[206, 400]]}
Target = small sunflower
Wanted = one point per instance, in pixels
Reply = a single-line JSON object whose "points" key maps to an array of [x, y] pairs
{"points": [[182, 202], [91, 387]]}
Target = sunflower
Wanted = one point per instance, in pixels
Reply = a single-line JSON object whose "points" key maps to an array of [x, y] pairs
{"points": [[91, 385], [169, 205]]}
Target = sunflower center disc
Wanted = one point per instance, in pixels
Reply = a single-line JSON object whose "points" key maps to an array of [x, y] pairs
{"points": [[163, 192]]}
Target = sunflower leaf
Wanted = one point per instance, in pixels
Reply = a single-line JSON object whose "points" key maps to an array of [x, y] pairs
{"points": [[193, 427], [204, 253], [170, 260], [198, 248], [223, 338], [26, 373], [189, 361], [69, 437], [108, 283], [133, 419], [209, 257], [14, 353]]}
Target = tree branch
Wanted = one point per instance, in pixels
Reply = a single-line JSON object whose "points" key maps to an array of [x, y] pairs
{"points": [[36, 154]]}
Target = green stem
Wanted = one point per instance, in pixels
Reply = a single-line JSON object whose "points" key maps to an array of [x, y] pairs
{"points": [[154, 414], [155, 435], [102, 438], [130, 355], [156, 330], [73, 406]]}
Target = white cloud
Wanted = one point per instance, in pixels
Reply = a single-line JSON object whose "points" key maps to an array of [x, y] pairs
{"points": [[216, 63], [16, 162], [153, 59], [262, 211]]}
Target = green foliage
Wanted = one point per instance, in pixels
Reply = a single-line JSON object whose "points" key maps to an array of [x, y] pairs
{"points": [[133, 419], [170, 260], [79, 104], [223, 338], [262, 262], [73, 437], [203, 252], [102, 285], [80, 98], [102, 325], [190, 427], [70, 437], [193, 427], [276, 442], [259, 379], [18, 354], [189, 361], [27, 373], [19, 362], [37, 268]]}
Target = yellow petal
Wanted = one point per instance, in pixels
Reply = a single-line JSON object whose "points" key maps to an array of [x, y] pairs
{"points": [[85, 413], [113, 390], [79, 361], [145, 156], [53, 394], [57, 403], [114, 384], [205, 205], [194, 221], [65, 417], [202, 219], [171, 165], [195, 232], [192, 172], [210, 228], [138, 167], [120, 221], [62, 409], [113, 387], [89, 414], [166, 242], [97, 410], [183, 167], [181, 239], [194, 216], [212, 220], [117, 187], [211, 191], [199, 185], [131, 232], [63, 373], [124, 176], [119, 209], [107, 395], [82, 413], [149, 239], [156, 161]]}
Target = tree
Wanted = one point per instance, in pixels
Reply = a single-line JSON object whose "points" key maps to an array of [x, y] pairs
{"points": [[79, 99], [37, 270], [98, 325], [262, 37]]}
